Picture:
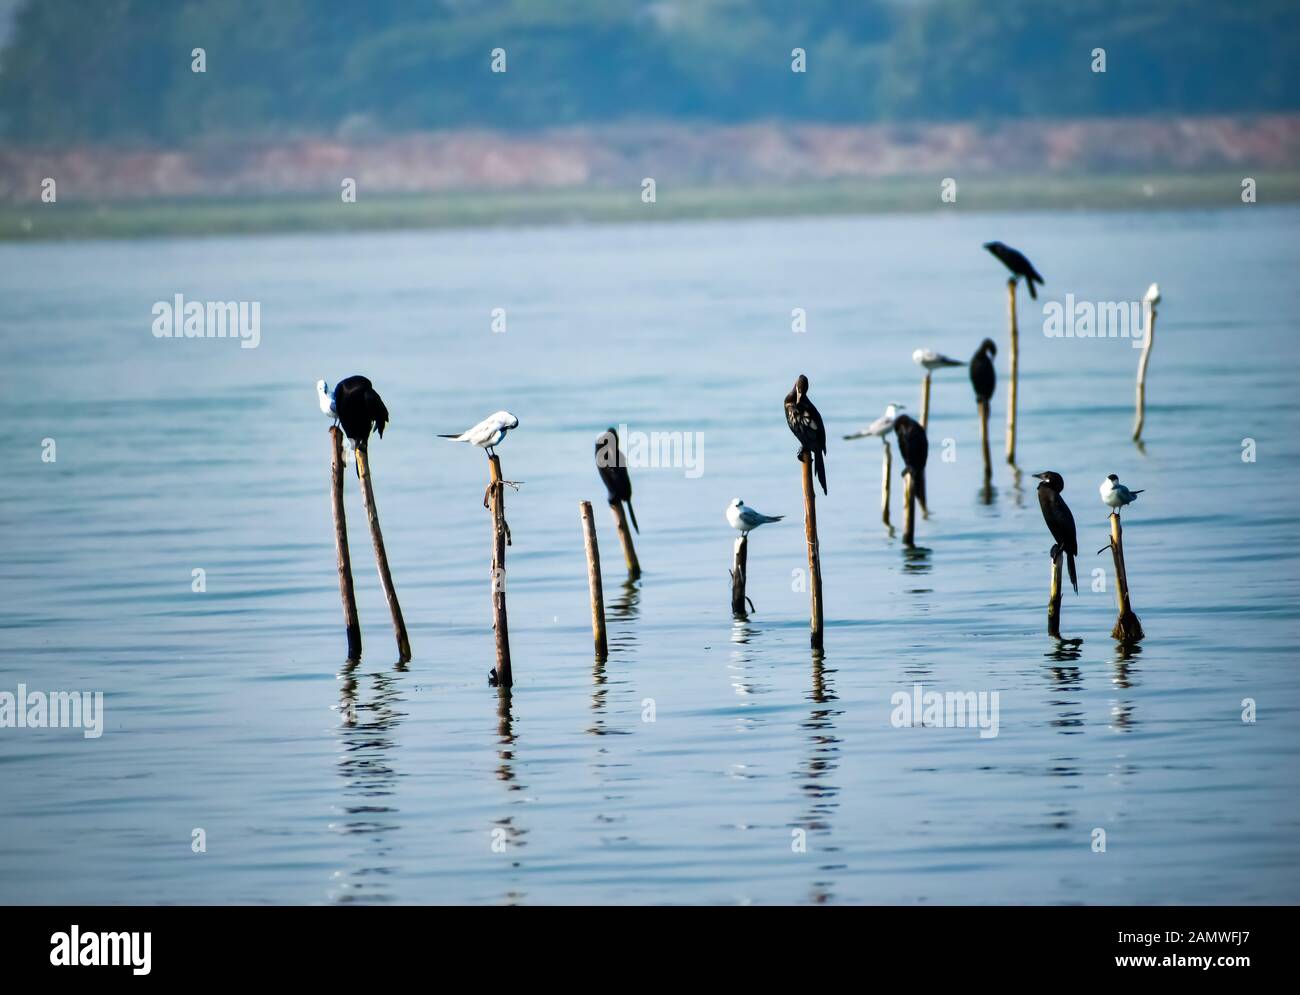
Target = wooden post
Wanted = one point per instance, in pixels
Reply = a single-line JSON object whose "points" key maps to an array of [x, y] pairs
{"points": [[886, 466], [1142, 373], [1127, 627], [984, 439], [593, 580], [346, 591], [1054, 598], [814, 552], [909, 510], [1014, 376], [381, 557], [625, 538], [496, 500], [925, 401], [739, 565]]}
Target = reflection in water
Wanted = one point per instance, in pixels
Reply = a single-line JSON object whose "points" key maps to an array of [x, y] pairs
{"points": [[816, 772], [743, 678], [507, 834], [365, 739], [1017, 490], [1065, 650], [1125, 674], [916, 559], [987, 494]]}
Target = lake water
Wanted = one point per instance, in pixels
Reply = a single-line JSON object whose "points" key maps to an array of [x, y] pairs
{"points": [[233, 711]]}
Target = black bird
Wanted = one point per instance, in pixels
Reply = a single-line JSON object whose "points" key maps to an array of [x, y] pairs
{"points": [[805, 422], [1015, 261], [915, 450], [611, 464], [1058, 518], [982, 375], [360, 409]]}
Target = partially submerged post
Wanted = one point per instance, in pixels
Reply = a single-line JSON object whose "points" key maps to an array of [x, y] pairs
{"points": [[1127, 627], [495, 502], [346, 591], [739, 566], [381, 557], [886, 465], [1150, 301], [593, 580], [1054, 597], [909, 509], [814, 553], [1015, 372], [625, 539]]}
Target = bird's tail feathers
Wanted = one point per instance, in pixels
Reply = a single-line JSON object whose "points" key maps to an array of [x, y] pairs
{"points": [[632, 515], [1074, 578], [773, 518], [381, 413], [1029, 282], [453, 435], [820, 463], [918, 483], [1143, 491]]}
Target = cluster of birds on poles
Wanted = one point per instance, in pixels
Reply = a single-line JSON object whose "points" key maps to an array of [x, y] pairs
{"points": [[356, 407]]}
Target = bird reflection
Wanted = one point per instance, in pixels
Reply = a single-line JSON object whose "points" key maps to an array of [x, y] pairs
{"points": [[369, 713], [816, 773], [1124, 677], [1065, 650], [1017, 489]]}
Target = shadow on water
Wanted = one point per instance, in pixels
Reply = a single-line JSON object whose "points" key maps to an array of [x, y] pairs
{"points": [[816, 772], [368, 718]]}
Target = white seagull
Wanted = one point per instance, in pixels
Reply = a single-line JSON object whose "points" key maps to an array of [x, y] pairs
{"points": [[488, 433], [932, 360], [744, 519], [325, 397], [881, 425], [1115, 494]]}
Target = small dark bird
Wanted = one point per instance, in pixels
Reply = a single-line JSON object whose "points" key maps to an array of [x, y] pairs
{"points": [[1056, 513], [805, 422], [360, 409], [1015, 261], [915, 450], [982, 375], [611, 464]]}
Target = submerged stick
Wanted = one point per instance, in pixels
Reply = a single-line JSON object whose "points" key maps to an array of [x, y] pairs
{"points": [[1014, 375], [593, 580], [909, 509], [886, 465], [739, 566], [1127, 627], [814, 552], [625, 538], [1142, 373], [496, 499], [925, 401], [983, 408], [1054, 598], [381, 557], [346, 591]]}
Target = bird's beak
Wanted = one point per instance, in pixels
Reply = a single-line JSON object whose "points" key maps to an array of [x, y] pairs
{"points": [[1039, 476]]}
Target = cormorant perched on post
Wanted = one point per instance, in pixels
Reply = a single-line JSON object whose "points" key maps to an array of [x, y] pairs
{"points": [[359, 409], [982, 375], [611, 464], [914, 447], [805, 422], [1015, 261], [1059, 520]]}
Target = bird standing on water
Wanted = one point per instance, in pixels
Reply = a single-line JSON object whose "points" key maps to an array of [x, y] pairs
{"points": [[744, 519], [1015, 261], [932, 360], [1116, 495], [611, 464], [881, 426], [488, 433], [357, 406], [982, 375], [805, 422], [1056, 513], [914, 447]]}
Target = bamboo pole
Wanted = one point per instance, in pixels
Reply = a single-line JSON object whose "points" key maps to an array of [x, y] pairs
{"points": [[496, 501], [925, 401], [381, 557], [1014, 376], [814, 552], [886, 466], [739, 568], [983, 407], [625, 538], [1054, 597], [1127, 627], [347, 593], [593, 580], [909, 510], [1142, 373]]}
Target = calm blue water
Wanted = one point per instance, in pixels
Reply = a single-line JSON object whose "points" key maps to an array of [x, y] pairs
{"points": [[233, 711]]}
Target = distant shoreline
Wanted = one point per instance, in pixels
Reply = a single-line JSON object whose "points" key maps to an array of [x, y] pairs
{"points": [[125, 219]]}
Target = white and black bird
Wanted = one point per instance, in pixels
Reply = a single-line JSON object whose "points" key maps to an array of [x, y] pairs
{"points": [[488, 433], [914, 447], [1116, 495], [932, 360], [744, 519], [881, 426], [325, 398], [358, 407]]}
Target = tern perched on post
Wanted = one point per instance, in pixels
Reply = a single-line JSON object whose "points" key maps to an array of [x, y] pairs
{"points": [[744, 519], [881, 426], [1116, 495], [488, 433], [325, 397], [932, 360]]}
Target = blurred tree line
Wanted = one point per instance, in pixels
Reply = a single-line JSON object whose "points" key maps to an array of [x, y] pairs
{"points": [[121, 69]]}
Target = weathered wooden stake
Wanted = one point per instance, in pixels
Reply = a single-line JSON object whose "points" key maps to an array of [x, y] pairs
{"points": [[625, 539], [984, 439], [496, 502], [1014, 376], [814, 552], [909, 510], [593, 580], [886, 466], [346, 591], [1127, 627], [739, 566], [381, 557], [1054, 598], [1142, 373], [925, 402]]}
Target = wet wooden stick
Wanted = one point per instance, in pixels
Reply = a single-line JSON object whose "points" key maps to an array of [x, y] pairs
{"points": [[925, 402], [983, 407], [346, 591], [381, 557], [496, 502], [1142, 372], [739, 566], [814, 552], [1127, 627], [1054, 598], [625, 539], [886, 466], [909, 510], [593, 580], [1013, 377]]}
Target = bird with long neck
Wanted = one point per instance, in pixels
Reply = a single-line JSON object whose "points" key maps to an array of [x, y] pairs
{"points": [[806, 423], [1015, 261], [1060, 522], [611, 464], [914, 447]]}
